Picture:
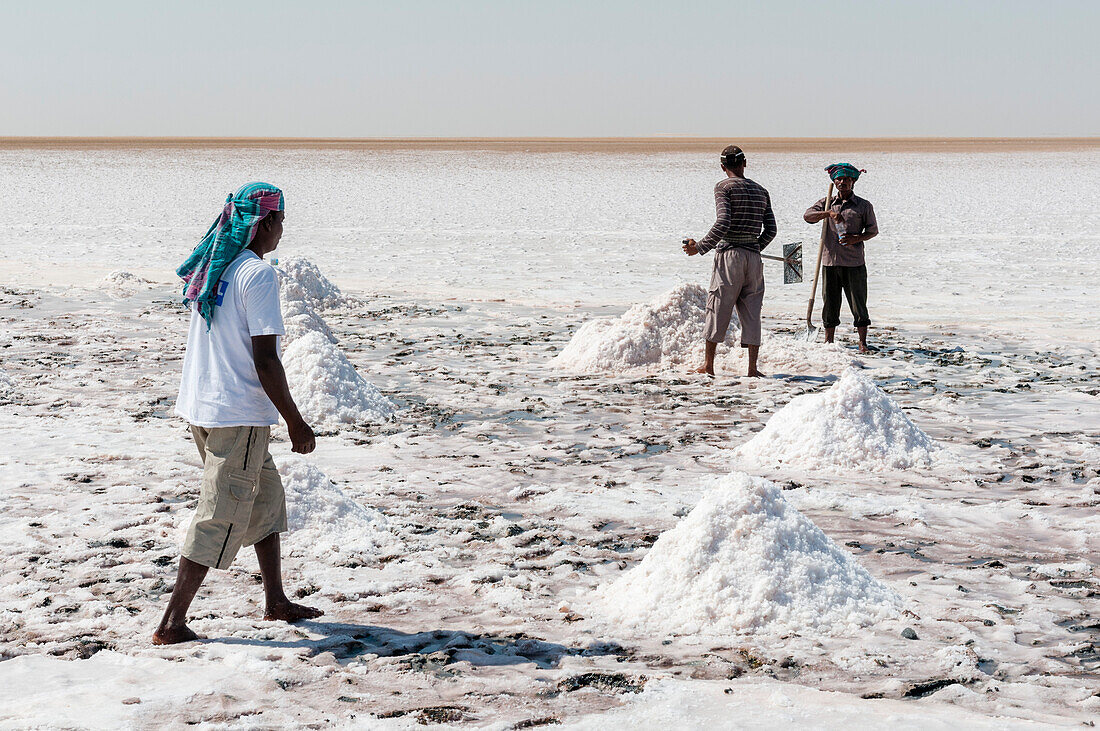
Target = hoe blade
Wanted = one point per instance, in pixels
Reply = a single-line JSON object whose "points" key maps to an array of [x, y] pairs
{"points": [[792, 263]]}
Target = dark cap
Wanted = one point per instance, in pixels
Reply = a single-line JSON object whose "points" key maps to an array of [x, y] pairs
{"points": [[732, 156]]}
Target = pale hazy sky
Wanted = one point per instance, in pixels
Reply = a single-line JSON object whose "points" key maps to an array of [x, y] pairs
{"points": [[519, 68]]}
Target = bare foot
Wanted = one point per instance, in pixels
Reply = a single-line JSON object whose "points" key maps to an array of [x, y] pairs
{"points": [[756, 374], [865, 348], [291, 612], [703, 370], [174, 635]]}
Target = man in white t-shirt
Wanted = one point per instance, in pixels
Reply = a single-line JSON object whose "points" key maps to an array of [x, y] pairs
{"points": [[232, 392]]}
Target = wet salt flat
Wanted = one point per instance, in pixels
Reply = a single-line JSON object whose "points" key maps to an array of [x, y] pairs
{"points": [[995, 239], [464, 549]]}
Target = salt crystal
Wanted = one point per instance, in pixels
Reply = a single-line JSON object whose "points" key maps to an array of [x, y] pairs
{"points": [[8, 391], [299, 318], [121, 284], [669, 333]]}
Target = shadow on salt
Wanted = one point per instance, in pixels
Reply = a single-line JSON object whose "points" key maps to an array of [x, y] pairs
{"points": [[424, 651]]}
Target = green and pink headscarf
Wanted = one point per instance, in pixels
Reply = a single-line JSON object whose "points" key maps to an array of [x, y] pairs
{"points": [[843, 170], [228, 236]]}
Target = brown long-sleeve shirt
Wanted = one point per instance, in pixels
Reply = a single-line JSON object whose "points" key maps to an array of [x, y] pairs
{"points": [[744, 217], [857, 216]]}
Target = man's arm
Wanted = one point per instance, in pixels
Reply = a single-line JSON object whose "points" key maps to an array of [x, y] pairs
{"points": [[770, 229], [721, 223], [817, 213], [849, 239], [870, 223], [269, 368]]}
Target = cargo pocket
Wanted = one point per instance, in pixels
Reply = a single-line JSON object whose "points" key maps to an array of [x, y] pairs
{"points": [[714, 299], [234, 502]]}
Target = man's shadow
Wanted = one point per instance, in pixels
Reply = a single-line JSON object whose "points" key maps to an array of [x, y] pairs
{"points": [[430, 650]]}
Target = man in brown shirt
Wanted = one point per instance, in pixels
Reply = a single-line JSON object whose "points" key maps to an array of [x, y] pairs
{"points": [[851, 221], [745, 224]]}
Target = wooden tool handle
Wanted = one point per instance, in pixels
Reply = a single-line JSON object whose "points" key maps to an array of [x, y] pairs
{"points": [[820, 250]]}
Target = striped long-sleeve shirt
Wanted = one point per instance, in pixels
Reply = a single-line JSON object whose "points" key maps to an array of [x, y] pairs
{"points": [[744, 217]]}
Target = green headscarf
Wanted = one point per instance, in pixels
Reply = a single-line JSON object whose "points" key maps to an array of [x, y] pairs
{"points": [[843, 170]]}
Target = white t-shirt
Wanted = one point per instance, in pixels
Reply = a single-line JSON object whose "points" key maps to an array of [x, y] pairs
{"points": [[219, 385]]}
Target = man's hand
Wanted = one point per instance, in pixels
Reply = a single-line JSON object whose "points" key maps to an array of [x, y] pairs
{"points": [[833, 213], [690, 247], [301, 437], [269, 369]]}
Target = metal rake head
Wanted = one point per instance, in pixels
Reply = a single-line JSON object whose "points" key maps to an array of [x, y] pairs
{"points": [[792, 263]]}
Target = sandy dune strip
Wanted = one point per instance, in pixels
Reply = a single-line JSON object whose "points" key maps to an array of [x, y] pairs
{"points": [[570, 144]]}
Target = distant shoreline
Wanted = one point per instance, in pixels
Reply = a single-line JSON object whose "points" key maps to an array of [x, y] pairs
{"points": [[568, 144]]}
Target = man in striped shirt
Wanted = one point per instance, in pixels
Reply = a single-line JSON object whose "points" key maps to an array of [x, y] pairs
{"points": [[745, 225]]}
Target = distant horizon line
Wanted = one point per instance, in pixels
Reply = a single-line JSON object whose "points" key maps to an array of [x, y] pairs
{"points": [[652, 143]]}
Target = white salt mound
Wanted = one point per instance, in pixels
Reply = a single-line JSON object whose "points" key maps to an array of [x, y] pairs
{"points": [[327, 388], [668, 333], [852, 425], [299, 318], [665, 332], [302, 291], [121, 284], [300, 279], [328, 525], [745, 560]]}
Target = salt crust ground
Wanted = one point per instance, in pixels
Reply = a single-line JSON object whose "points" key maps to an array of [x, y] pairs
{"points": [[638, 208], [852, 425], [515, 492], [667, 333], [682, 704], [516, 486], [745, 561], [111, 690]]}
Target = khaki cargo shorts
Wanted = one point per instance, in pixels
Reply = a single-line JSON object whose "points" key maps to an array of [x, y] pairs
{"points": [[241, 501], [737, 283]]}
